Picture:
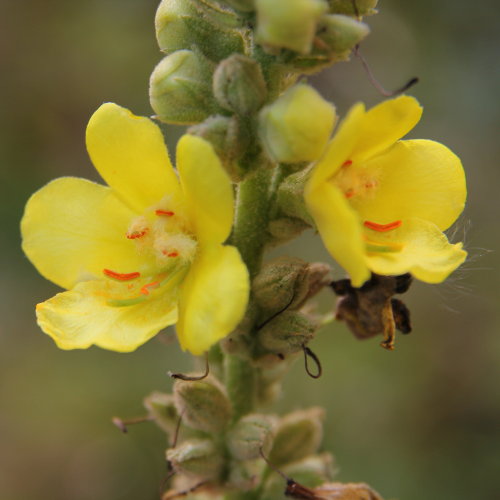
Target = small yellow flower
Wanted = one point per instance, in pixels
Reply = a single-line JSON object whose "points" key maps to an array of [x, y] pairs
{"points": [[381, 204], [145, 252]]}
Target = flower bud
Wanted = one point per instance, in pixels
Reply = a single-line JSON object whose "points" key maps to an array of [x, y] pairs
{"points": [[285, 229], [202, 404], [298, 435], [245, 476], [290, 199], [341, 33], [287, 333], [251, 434], [239, 85], [297, 126], [182, 24], [198, 457], [311, 472], [180, 89], [243, 5], [229, 140], [161, 408], [289, 24], [363, 7]]}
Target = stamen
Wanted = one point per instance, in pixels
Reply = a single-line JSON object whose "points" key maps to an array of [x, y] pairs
{"points": [[347, 163], [137, 234], [382, 228], [147, 286], [349, 193], [168, 213], [121, 276], [173, 254]]}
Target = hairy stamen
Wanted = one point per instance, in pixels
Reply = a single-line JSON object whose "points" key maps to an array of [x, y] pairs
{"points": [[137, 234]]}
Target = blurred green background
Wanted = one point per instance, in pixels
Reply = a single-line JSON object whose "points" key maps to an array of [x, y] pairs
{"points": [[418, 423]]}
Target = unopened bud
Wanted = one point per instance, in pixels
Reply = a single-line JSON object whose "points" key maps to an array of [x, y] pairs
{"points": [[182, 24], [180, 89], [310, 472], [161, 408], [298, 435], [285, 229], [289, 332], [359, 7], [202, 404], [239, 85], [249, 436], [198, 457], [290, 199], [228, 139], [341, 33], [296, 127], [289, 24]]}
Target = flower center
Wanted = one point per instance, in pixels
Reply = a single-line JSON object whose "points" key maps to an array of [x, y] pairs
{"points": [[355, 181], [163, 235]]}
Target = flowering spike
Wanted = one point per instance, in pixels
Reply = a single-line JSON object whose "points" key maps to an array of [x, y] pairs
{"points": [[121, 276], [382, 228]]}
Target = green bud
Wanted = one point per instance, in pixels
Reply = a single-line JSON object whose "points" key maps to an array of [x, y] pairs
{"points": [[180, 89], [243, 5], [341, 33], [290, 199], [363, 7], [250, 435], [202, 404], [298, 435], [275, 287], [287, 333], [229, 140], [198, 457], [239, 85], [182, 24], [296, 127], [311, 472], [161, 408], [289, 24], [285, 229], [245, 476]]}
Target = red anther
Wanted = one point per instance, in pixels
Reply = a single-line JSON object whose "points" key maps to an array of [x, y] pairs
{"points": [[168, 213], [173, 254], [121, 276], [349, 193], [347, 163], [137, 234], [382, 228], [147, 286]]}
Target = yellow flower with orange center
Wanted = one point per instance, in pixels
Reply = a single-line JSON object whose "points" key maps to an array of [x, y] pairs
{"points": [[145, 252], [381, 204]]}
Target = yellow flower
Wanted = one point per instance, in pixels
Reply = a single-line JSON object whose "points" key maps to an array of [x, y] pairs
{"points": [[145, 252], [381, 204]]}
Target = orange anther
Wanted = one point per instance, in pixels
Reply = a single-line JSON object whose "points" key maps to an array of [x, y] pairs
{"points": [[147, 286], [121, 276], [349, 193], [168, 213], [137, 234], [347, 163], [382, 228], [173, 254]]}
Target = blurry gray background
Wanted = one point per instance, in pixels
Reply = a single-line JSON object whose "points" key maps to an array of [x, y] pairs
{"points": [[418, 423]]}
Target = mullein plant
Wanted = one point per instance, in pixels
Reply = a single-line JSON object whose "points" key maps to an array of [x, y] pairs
{"points": [[265, 157]]}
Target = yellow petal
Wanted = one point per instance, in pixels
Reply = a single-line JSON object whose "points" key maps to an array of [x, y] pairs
{"points": [[416, 178], [207, 189], [130, 154], [424, 251], [341, 146], [213, 298], [72, 229], [384, 124], [340, 230], [81, 317]]}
